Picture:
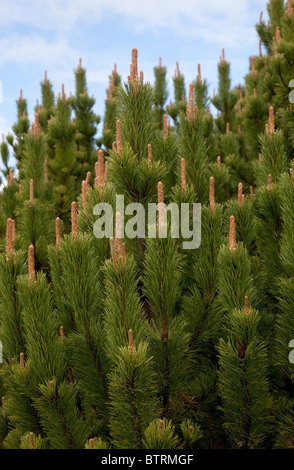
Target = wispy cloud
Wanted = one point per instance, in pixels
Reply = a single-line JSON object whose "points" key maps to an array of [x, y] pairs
{"points": [[45, 33], [34, 49], [211, 20], [4, 127], [42, 34]]}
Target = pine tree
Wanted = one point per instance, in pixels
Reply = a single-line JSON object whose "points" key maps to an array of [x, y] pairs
{"points": [[65, 161], [110, 115], [20, 128], [160, 93], [85, 119], [244, 387], [136, 342], [226, 99], [47, 109], [179, 96]]}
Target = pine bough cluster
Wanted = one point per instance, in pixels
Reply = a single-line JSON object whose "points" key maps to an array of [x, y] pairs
{"points": [[138, 343]]}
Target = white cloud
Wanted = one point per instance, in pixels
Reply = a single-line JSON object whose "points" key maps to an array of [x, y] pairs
{"points": [[32, 49], [4, 127], [40, 33], [213, 20], [225, 23]]}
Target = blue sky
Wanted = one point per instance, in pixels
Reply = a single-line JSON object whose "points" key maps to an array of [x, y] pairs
{"points": [[36, 35]]}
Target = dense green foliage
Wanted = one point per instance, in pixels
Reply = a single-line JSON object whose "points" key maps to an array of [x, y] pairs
{"points": [[139, 342]]}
